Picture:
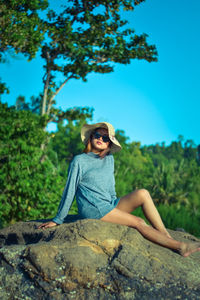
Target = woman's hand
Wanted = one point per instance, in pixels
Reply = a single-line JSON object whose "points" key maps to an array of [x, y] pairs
{"points": [[47, 225]]}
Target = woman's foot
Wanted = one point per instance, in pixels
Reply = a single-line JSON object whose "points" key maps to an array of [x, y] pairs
{"points": [[189, 248]]}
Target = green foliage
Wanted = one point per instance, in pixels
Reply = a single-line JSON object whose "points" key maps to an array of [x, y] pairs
{"points": [[91, 34], [32, 180], [34, 105], [30, 185], [170, 182], [21, 28], [66, 141], [131, 166], [175, 174], [3, 88], [176, 218]]}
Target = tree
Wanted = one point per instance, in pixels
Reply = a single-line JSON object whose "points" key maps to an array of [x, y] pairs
{"points": [[88, 36], [21, 28], [29, 189], [66, 141], [190, 150], [83, 37], [33, 106], [169, 182], [132, 168]]}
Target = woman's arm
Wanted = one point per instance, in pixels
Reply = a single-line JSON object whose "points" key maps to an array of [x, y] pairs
{"points": [[68, 195]]}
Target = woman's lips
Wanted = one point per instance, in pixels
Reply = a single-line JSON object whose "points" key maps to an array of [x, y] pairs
{"points": [[99, 143]]}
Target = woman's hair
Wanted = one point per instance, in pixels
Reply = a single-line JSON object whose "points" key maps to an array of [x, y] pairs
{"points": [[88, 147]]}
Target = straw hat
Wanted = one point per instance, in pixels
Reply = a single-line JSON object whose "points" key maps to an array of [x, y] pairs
{"points": [[87, 129]]}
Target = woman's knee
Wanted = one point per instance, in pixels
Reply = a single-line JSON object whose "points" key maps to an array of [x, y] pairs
{"points": [[143, 193]]}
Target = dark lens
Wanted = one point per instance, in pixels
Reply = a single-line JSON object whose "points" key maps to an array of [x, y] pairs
{"points": [[97, 135], [105, 138]]}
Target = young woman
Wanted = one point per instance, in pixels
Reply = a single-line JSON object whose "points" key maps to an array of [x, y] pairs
{"points": [[91, 180]]}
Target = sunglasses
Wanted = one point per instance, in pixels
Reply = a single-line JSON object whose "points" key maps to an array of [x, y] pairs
{"points": [[105, 138]]}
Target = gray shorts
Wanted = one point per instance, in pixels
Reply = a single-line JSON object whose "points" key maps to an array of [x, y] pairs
{"points": [[88, 210]]}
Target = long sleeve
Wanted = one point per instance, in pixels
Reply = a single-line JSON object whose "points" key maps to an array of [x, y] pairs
{"points": [[112, 183], [69, 192]]}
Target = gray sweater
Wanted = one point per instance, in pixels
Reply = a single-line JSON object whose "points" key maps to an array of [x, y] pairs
{"points": [[91, 180]]}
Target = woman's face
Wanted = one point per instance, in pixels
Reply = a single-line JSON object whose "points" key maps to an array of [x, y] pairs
{"points": [[97, 141]]}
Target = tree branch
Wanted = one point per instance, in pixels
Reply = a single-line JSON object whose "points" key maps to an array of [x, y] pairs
{"points": [[56, 92], [46, 87]]}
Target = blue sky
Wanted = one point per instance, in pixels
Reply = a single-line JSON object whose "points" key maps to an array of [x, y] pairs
{"points": [[151, 102]]}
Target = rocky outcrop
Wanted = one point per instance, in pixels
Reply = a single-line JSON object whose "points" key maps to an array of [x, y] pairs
{"points": [[91, 259]]}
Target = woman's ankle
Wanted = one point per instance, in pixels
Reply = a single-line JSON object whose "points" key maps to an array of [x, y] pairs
{"points": [[188, 248]]}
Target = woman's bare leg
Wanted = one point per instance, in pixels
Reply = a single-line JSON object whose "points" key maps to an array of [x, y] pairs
{"points": [[142, 198], [124, 218]]}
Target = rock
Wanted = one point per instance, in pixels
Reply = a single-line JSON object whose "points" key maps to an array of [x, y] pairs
{"points": [[180, 229], [91, 259]]}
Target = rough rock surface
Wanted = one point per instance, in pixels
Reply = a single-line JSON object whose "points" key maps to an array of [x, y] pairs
{"points": [[90, 259]]}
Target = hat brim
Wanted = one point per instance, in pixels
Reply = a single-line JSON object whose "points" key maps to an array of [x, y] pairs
{"points": [[87, 129]]}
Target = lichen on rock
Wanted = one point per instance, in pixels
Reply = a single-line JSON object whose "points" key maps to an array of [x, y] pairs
{"points": [[91, 259]]}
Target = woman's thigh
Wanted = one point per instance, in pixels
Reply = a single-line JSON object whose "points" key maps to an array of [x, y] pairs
{"points": [[118, 216], [133, 200]]}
